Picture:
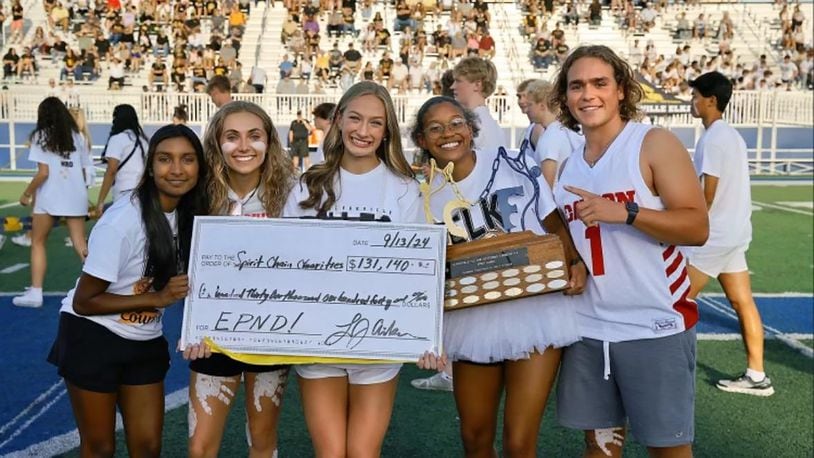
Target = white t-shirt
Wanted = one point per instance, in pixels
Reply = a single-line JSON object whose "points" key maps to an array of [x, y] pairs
{"points": [[63, 193], [116, 254], [721, 152], [491, 136], [119, 147], [378, 195], [557, 143]]}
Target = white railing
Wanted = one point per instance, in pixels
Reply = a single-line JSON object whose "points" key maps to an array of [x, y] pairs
{"points": [[766, 111]]}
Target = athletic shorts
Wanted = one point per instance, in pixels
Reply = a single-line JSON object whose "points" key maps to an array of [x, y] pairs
{"points": [[299, 148], [94, 358], [651, 385], [220, 365], [357, 374], [714, 261]]}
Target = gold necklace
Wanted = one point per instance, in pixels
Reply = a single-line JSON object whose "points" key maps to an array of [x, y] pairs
{"points": [[592, 163]]}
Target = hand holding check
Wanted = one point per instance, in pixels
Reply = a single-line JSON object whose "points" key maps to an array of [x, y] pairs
{"points": [[593, 209]]}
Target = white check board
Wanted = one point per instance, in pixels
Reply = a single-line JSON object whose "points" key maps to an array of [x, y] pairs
{"points": [[308, 287]]}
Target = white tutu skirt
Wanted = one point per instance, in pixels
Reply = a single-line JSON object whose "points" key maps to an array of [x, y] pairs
{"points": [[510, 330]]}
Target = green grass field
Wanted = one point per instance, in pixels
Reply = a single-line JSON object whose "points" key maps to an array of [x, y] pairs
{"points": [[425, 423]]}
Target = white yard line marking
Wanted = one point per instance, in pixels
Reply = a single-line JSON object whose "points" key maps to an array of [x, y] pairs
{"points": [[797, 204], [9, 205], [33, 404], [719, 306], [42, 410], [712, 336], [786, 294], [70, 440], [779, 207], [14, 268]]}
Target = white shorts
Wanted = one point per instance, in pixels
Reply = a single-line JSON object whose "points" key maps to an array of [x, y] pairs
{"points": [[714, 261], [357, 374]]}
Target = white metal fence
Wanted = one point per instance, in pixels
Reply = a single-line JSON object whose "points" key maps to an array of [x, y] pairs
{"points": [[766, 111]]}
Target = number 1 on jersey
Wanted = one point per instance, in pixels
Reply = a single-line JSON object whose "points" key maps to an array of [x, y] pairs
{"points": [[597, 260]]}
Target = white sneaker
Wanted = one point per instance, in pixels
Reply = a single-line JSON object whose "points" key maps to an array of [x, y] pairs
{"points": [[21, 240], [438, 382], [28, 299]]}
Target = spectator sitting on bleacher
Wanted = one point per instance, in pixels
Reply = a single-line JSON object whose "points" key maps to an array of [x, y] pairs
{"points": [[542, 55], [352, 60], [179, 74], [595, 13], [404, 16], [228, 53], [648, 17], [237, 19], [571, 15], [116, 74], [322, 67], [70, 62], [87, 67], [286, 66], [335, 22], [40, 45], [60, 17], [398, 77], [700, 27], [289, 27], [158, 74], [335, 59], [385, 66], [417, 78], [683, 29], [349, 21], [10, 61], [286, 86], [487, 45]]}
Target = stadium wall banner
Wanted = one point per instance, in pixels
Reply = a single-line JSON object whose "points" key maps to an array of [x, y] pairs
{"points": [[311, 288], [657, 102]]}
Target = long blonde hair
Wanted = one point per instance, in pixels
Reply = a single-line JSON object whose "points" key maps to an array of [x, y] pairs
{"points": [[277, 171], [319, 179], [82, 124]]}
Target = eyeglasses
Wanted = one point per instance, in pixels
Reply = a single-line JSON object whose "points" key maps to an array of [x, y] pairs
{"points": [[438, 129]]}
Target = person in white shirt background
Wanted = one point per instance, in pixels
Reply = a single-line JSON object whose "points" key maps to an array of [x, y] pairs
{"points": [[364, 177], [57, 189], [475, 80], [721, 162], [109, 348], [534, 130], [124, 154], [557, 142]]}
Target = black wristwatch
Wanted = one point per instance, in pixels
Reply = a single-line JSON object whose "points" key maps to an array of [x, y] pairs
{"points": [[632, 211]]}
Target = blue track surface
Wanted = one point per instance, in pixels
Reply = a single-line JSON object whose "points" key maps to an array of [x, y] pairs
{"points": [[34, 407]]}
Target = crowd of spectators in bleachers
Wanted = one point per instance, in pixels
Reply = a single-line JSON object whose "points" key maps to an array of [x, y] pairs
{"points": [[791, 67], [425, 38], [177, 43]]}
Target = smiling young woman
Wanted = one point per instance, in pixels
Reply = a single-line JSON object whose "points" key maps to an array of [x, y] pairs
{"points": [[109, 347], [514, 344]]}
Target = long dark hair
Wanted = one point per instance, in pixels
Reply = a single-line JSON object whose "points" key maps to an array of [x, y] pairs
{"points": [[124, 118], [166, 257], [55, 128]]}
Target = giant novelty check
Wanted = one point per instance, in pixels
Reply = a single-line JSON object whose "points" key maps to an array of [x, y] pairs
{"points": [[316, 288]]}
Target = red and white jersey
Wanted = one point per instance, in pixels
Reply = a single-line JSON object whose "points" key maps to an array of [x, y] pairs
{"points": [[638, 286]]}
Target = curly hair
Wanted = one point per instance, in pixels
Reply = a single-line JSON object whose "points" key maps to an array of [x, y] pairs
{"points": [[417, 131], [622, 73], [277, 171]]}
